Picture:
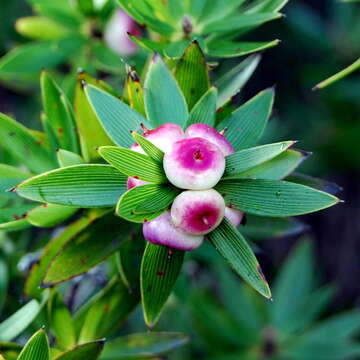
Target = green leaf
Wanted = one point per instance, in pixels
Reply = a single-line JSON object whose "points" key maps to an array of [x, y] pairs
{"points": [[274, 198], [36, 56], [204, 110], [192, 74], [106, 312], [149, 45], [229, 49], [106, 59], [249, 158], [91, 132], [143, 345], [78, 186], [4, 281], [68, 158], [290, 290], [239, 21], [277, 168], [164, 101], [88, 351], [154, 152], [59, 115], [15, 324], [134, 164], [36, 348], [135, 92], [266, 6], [144, 203], [117, 118], [160, 268], [237, 252], [259, 228], [85, 251], [61, 322], [234, 80], [15, 225], [247, 123], [49, 215], [38, 270], [21, 144]]}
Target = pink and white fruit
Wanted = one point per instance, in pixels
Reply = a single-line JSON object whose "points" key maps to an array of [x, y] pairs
{"points": [[116, 36], [234, 216], [161, 231], [163, 137], [198, 212], [209, 133], [194, 163]]}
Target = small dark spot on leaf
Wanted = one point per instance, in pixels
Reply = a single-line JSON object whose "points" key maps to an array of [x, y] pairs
{"points": [[160, 273], [12, 133]]}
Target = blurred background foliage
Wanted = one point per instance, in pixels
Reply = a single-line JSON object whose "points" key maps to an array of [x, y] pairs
{"points": [[318, 39]]}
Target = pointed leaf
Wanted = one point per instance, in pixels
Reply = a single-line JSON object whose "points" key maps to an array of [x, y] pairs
{"points": [[78, 186], [36, 348], [134, 164], [192, 74], [249, 158], [91, 132], [229, 49], [38, 270], [266, 6], [164, 101], [160, 268], [144, 345], [133, 205], [154, 152], [59, 115], [88, 351], [247, 123], [4, 281], [234, 80], [278, 168], [85, 251], [204, 110], [117, 118], [237, 22], [60, 319], [274, 198], [49, 215], [107, 311], [237, 252], [20, 143], [68, 158]]}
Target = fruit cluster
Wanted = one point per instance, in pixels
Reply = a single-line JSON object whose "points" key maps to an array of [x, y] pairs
{"points": [[194, 161]]}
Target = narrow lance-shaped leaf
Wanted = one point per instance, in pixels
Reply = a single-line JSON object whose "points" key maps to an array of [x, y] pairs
{"points": [[164, 101], [59, 114], [117, 118], [237, 252], [144, 203], [277, 168], [89, 351], [78, 186], [144, 345], [134, 164], [266, 6], [273, 198], [4, 280], [85, 251], [191, 73], [234, 80], [160, 268], [36, 348], [68, 158], [249, 158], [246, 124], [204, 111], [91, 133], [107, 311], [17, 140], [154, 152]]}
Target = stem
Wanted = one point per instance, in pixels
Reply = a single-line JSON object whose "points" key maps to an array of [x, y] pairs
{"points": [[353, 67]]}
